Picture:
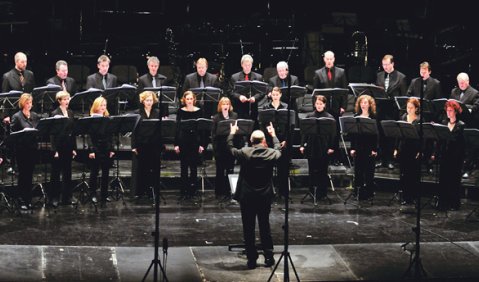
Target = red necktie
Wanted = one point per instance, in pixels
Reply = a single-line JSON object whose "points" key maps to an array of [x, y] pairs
{"points": [[330, 75], [246, 77]]}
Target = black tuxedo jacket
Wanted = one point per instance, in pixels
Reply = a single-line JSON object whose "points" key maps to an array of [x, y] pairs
{"points": [[275, 81], [146, 80], [192, 81], [433, 88], [69, 83], [471, 95], [95, 81], [397, 83], [321, 78], [11, 81]]}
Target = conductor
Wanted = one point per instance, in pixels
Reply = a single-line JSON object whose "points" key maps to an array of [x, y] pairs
{"points": [[254, 190]]}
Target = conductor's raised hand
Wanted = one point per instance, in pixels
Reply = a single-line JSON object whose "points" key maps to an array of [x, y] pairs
{"points": [[234, 128], [270, 129]]}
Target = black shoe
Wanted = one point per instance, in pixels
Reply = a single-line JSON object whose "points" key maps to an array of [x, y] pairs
{"points": [[269, 261], [54, 203], [108, 199], [94, 199], [378, 164], [390, 166], [251, 264]]}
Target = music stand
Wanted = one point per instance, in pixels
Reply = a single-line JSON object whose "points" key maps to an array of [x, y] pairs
{"points": [[120, 125], [325, 127], [120, 95], [333, 96], [167, 95], [48, 93], [439, 104], [47, 127], [245, 127], [358, 126], [207, 96], [249, 89], [472, 141], [87, 126], [9, 100], [85, 98], [291, 94]]}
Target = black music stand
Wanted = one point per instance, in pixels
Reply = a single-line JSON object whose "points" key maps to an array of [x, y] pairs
{"points": [[291, 94], [321, 127], [166, 95], [47, 127], [440, 113], [333, 96], [120, 95], [85, 98], [24, 136], [250, 88], [87, 126], [357, 126], [207, 96], [120, 125], [46, 95], [9, 100]]}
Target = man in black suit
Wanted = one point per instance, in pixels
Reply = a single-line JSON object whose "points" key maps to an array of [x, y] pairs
{"points": [[246, 107], [394, 84], [152, 79], [19, 78], [282, 80], [102, 79], [254, 190], [62, 79], [331, 76], [199, 79], [469, 96], [430, 85]]}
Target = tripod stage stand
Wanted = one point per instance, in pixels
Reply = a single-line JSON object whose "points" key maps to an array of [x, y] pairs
{"points": [[120, 125]]}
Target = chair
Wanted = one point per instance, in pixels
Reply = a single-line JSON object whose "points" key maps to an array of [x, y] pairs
{"points": [[80, 74], [126, 74]]}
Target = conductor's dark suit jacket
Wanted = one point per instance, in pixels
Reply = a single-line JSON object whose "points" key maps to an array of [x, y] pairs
{"points": [[11, 81], [433, 88], [192, 80], [69, 83], [256, 172], [95, 81]]}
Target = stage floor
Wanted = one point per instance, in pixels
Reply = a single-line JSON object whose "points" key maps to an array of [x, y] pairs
{"points": [[328, 242]]}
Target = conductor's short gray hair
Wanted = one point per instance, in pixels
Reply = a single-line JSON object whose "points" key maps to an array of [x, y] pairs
{"points": [[257, 137], [282, 65], [246, 58]]}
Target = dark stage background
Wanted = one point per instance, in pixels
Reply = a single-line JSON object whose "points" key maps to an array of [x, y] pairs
{"points": [[178, 32]]}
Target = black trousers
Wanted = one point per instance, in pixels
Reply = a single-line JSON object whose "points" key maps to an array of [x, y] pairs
{"points": [[189, 160], [364, 165], [282, 167], [251, 208], [409, 176], [61, 166], [224, 165], [318, 175], [148, 169], [25, 158], [102, 162]]}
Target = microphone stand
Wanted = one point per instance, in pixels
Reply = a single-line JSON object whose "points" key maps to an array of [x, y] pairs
{"points": [[285, 254]]}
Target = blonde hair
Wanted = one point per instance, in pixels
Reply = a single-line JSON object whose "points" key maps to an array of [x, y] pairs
{"points": [[223, 100], [372, 104], [183, 99], [62, 94], [96, 105], [23, 99], [146, 94]]}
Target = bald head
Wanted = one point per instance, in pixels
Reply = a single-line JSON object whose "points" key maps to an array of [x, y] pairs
{"points": [[257, 137]]}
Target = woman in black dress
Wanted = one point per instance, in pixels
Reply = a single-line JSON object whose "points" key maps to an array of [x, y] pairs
{"points": [[224, 161], [188, 144], [364, 150], [147, 151], [63, 146], [318, 150], [100, 154], [408, 154], [451, 159], [25, 149]]}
